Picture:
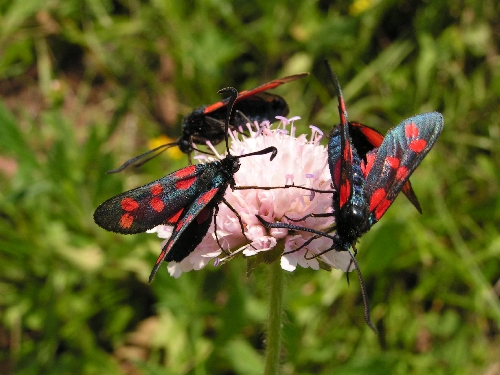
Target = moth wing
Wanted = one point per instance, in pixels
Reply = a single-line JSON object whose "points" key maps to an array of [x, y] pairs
{"points": [[189, 229], [143, 208], [389, 167]]}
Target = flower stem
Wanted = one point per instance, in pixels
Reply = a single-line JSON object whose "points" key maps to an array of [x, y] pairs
{"points": [[273, 349]]}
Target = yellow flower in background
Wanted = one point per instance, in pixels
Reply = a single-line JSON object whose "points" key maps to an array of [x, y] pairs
{"points": [[172, 152], [359, 6]]}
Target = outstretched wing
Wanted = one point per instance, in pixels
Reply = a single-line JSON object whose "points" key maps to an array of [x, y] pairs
{"points": [[389, 167], [259, 107], [145, 207], [248, 93], [190, 226], [365, 139], [207, 123], [189, 229]]}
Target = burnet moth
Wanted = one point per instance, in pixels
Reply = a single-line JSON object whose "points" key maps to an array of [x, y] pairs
{"points": [[366, 187], [185, 199], [364, 139], [207, 123]]}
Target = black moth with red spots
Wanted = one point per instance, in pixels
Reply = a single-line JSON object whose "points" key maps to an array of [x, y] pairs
{"points": [[365, 139], [366, 188], [368, 185], [185, 199], [366, 182], [207, 123]]}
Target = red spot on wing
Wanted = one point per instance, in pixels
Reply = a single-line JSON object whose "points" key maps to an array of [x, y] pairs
{"points": [[180, 224], [129, 204], [418, 145], [185, 171], [268, 86], [411, 131], [345, 193], [174, 218], [343, 119], [370, 159], [214, 106], [157, 204], [376, 198], [203, 215], [336, 177], [373, 136], [126, 220], [156, 189], [402, 173], [342, 105], [207, 197], [381, 208], [392, 161], [241, 95], [347, 152], [247, 93], [244, 93], [185, 184], [163, 254]]}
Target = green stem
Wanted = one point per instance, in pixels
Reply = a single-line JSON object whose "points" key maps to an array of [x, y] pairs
{"points": [[273, 349]]}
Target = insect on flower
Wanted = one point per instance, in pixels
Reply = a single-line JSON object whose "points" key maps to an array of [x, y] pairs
{"points": [[185, 200], [207, 123], [301, 162], [365, 139], [366, 188]]}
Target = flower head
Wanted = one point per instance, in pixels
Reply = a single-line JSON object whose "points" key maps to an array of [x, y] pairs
{"points": [[301, 161]]}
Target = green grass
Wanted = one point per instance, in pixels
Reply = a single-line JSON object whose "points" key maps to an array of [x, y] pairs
{"points": [[85, 84]]}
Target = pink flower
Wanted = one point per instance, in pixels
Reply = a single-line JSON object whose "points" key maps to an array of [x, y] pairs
{"points": [[301, 161]]}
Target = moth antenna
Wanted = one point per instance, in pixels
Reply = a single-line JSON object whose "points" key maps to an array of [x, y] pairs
{"points": [[273, 150], [366, 303], [232, 99], [137, 161]]}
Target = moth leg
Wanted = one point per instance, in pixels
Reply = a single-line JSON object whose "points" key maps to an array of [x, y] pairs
{"points": [[239, 220], [215, 231], [303, 245], [245, 120]]}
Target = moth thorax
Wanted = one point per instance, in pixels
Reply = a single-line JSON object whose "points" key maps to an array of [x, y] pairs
{"points": [[231, 165], [235, 165], [352, 220], [193, 123]]}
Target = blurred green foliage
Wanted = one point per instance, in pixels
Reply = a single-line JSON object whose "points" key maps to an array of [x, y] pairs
{"points": [[85, 84]]}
